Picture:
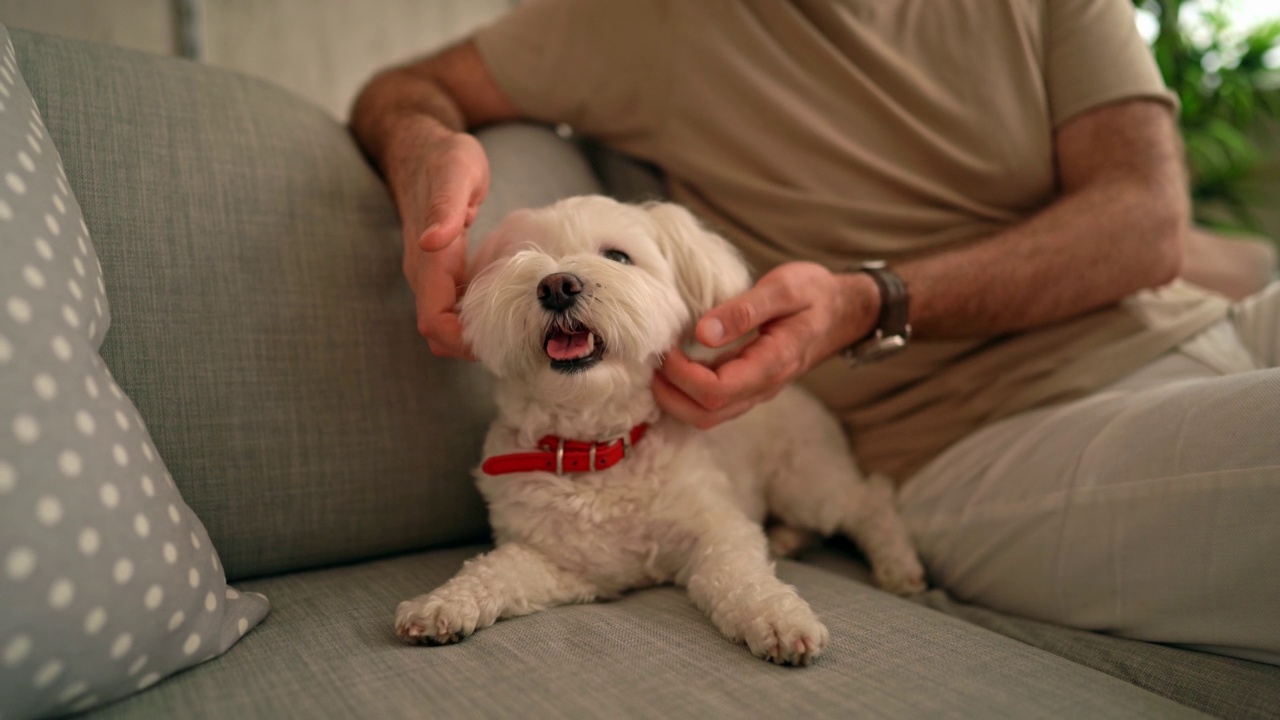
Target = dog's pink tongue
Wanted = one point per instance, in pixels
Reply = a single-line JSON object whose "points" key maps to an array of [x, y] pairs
{"points": [[569, 346]]}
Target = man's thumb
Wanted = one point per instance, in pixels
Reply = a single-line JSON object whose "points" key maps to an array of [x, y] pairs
{"points": [[443, 228]]}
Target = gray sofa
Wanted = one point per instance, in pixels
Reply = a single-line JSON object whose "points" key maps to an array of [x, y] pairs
{"points": [[262, 328]]}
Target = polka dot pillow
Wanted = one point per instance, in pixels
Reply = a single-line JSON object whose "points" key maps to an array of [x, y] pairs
{"points": [[108, 581]]}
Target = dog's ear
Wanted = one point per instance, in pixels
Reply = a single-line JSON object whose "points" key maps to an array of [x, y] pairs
{"points": [[708, 270]]}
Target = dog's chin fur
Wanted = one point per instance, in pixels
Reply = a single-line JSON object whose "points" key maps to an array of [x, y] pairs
{"points": [[601, 402], [685, 506]]}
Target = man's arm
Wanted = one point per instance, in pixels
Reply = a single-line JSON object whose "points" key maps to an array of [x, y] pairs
{"points": [[412, 123], [1116, 228]]}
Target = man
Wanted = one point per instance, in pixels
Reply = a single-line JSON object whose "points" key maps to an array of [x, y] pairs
{"points": [[1080, 438]]}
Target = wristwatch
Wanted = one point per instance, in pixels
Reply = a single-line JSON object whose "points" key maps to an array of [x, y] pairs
{"points": [[892, 331]]}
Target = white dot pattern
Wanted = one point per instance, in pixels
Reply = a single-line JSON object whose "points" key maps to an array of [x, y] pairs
{"points": [[45, 386], [98, 552], [85, 422], [26, 429], [61, 348], [70, 463], [123, 571], [19, 309], [95, 621], [48, 673], [123, 643], [20, 563], [109, 495], [72, 691], [17, 650], [61, 593], [49, 510], [32, 275], [154, 596], [90, 541], [8, 478]]}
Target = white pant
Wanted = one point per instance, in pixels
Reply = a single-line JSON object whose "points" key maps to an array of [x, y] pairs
{"points": [[1149, 510]]}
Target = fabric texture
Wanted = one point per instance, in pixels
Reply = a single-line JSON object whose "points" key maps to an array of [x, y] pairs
{"points": [[1060, 515], [329, 650], [109, 581], [843, 131], [261, 321]]}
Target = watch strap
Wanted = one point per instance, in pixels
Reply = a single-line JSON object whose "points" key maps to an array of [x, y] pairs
{"points": [[893, 300], [892, 329]]}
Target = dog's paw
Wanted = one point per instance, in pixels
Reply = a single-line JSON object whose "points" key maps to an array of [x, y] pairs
{"points": [[902, 577], [432, 620], [791, 636]]}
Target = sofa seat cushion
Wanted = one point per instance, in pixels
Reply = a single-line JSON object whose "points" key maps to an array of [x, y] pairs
{"points": [[329, 650], [1216, 684]]}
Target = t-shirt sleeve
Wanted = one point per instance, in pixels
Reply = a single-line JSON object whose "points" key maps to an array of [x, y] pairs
{"points": [[599, 66], [1094, 56]]}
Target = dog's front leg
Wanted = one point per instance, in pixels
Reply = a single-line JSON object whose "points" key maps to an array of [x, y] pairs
{"points": [[730, 577], [512, 580]]}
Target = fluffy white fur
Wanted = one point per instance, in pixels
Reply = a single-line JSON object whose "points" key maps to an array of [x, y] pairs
{"points": [[687, 506]]}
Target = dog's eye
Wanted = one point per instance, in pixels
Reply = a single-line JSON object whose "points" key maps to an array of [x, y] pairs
{"points": [[617, 256]]}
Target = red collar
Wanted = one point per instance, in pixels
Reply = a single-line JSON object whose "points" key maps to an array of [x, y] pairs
{"points": [[562, 456]]}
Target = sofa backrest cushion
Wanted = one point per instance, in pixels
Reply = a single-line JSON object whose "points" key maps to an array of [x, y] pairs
{"points": [[260, 319]]}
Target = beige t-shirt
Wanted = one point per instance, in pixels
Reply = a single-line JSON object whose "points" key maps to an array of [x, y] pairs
{"points": [[844, 130]]}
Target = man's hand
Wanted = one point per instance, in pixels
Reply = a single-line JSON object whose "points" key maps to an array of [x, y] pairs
{"points": [[438, 187], [804, 314], [411, 121]]}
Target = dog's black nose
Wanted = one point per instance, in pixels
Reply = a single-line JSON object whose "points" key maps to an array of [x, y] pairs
{"points": [[559, 291]]}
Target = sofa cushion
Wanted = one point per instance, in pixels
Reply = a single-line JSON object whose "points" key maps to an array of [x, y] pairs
{"points": [[109, 581], [329, 650], [1219, 685], [261, 322]]}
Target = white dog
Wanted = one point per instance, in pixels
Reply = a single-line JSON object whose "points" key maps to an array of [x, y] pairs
{"points": [[591, 491]]}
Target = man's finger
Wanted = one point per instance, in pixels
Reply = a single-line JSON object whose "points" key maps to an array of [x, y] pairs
{"points": [[448, 340], [686, 409], [443, 331], [436, 293], [448, 210], [768, 359], [695, 380], [771, 359], [767, 300]]}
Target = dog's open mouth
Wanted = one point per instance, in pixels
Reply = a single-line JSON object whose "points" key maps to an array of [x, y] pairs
{"points": [[572, 346]]}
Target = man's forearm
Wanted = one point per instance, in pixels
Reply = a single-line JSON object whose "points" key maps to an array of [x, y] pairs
{"points": [[1117, 228], [404, 107], [397, 104], [1086, 251]]}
